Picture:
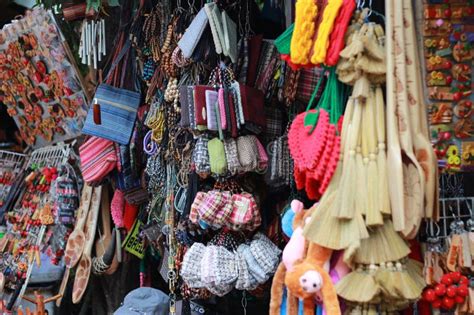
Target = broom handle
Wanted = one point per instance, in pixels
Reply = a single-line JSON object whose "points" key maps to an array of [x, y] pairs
{"points": [[380, 114]]}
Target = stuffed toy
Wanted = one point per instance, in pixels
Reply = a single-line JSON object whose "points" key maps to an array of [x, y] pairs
{"points": [[309, 276], [294, 251]]}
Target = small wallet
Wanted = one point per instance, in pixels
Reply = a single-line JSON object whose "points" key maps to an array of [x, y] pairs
{"points": [[215, 21], [193, 34], [200, 105], [211, 109], [230, 37]]}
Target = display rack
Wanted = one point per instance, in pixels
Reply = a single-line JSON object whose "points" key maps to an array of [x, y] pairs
{"points": [[53, 155], [11, 162], [451, 209]]}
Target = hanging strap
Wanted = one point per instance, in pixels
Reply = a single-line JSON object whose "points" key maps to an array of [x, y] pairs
{"points": [[117, 60]]}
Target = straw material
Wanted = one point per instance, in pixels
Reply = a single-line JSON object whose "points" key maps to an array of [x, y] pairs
{"points": [[384, 200], [346, 192], [373, 215], [358, 286], [383, 244]]}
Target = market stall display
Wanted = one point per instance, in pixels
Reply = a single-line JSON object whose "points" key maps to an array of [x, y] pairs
{"points": [[237, 162]]}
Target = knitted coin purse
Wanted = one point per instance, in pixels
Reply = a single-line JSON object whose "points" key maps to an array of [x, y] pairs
{"points": [[255, 269], [191, 265]]}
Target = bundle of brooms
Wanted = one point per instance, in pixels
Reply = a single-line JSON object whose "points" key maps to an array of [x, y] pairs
{"points": [[354, 213]]}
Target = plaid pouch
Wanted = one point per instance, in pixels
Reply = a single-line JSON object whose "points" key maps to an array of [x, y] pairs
{"points": [[265, 253], [245, 281], [245, 214], [248, 153], [215, 208], [274, 117], [254, 268], [197, 204], [308, 79]]}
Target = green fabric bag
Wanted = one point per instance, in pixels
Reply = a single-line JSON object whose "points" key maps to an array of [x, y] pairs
{"points": [[217, 157]]}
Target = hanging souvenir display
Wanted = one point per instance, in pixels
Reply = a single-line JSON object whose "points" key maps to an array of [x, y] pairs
{"points": [[447, 49], [249, 164], [40, 85]]}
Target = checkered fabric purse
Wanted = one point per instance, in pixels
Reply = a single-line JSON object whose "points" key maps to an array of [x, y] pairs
{"points": [[216, 208], [245, 281], [197, 203], [247, 152], [191, 266], [232, 156], [245, 213], [265, 253], [254, 268], [201, 156]]}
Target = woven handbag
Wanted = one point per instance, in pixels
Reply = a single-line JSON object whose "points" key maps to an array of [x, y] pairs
{"points": [[117, 109], [98, 159]]}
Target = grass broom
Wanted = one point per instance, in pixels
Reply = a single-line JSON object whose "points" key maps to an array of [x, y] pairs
{"points": [[346, 193], [384, 199], [373, 216], [359, 286]]}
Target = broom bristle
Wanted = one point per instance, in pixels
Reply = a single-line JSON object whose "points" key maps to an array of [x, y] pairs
{"points": [[370, 66], [361, 179], [359, 286], [396, 248], [355, 47], [361, 87], [407, 287], [373, 216], [384, 199]]}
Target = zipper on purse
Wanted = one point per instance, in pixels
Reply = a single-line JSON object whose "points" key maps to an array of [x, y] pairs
{"points": [[115, 104]]}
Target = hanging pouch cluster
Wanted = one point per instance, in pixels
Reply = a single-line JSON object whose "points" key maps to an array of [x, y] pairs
{"points": [[314, 139]]}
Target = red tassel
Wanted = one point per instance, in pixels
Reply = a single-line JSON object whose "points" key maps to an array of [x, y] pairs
{"points": [[97, 116]]}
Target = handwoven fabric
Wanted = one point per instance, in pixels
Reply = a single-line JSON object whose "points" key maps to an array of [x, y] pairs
{"points": [[201, 156], [215, 21], [216, 208], [230, 37], [307, 82], [196, 205], [232, 156], [248, 153], [265, 253], [191, 266], [118, 111], [217, 158], [245, 214], [211, 110], [254, 268], [274, 118], [245, 280], [98, 158]]}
